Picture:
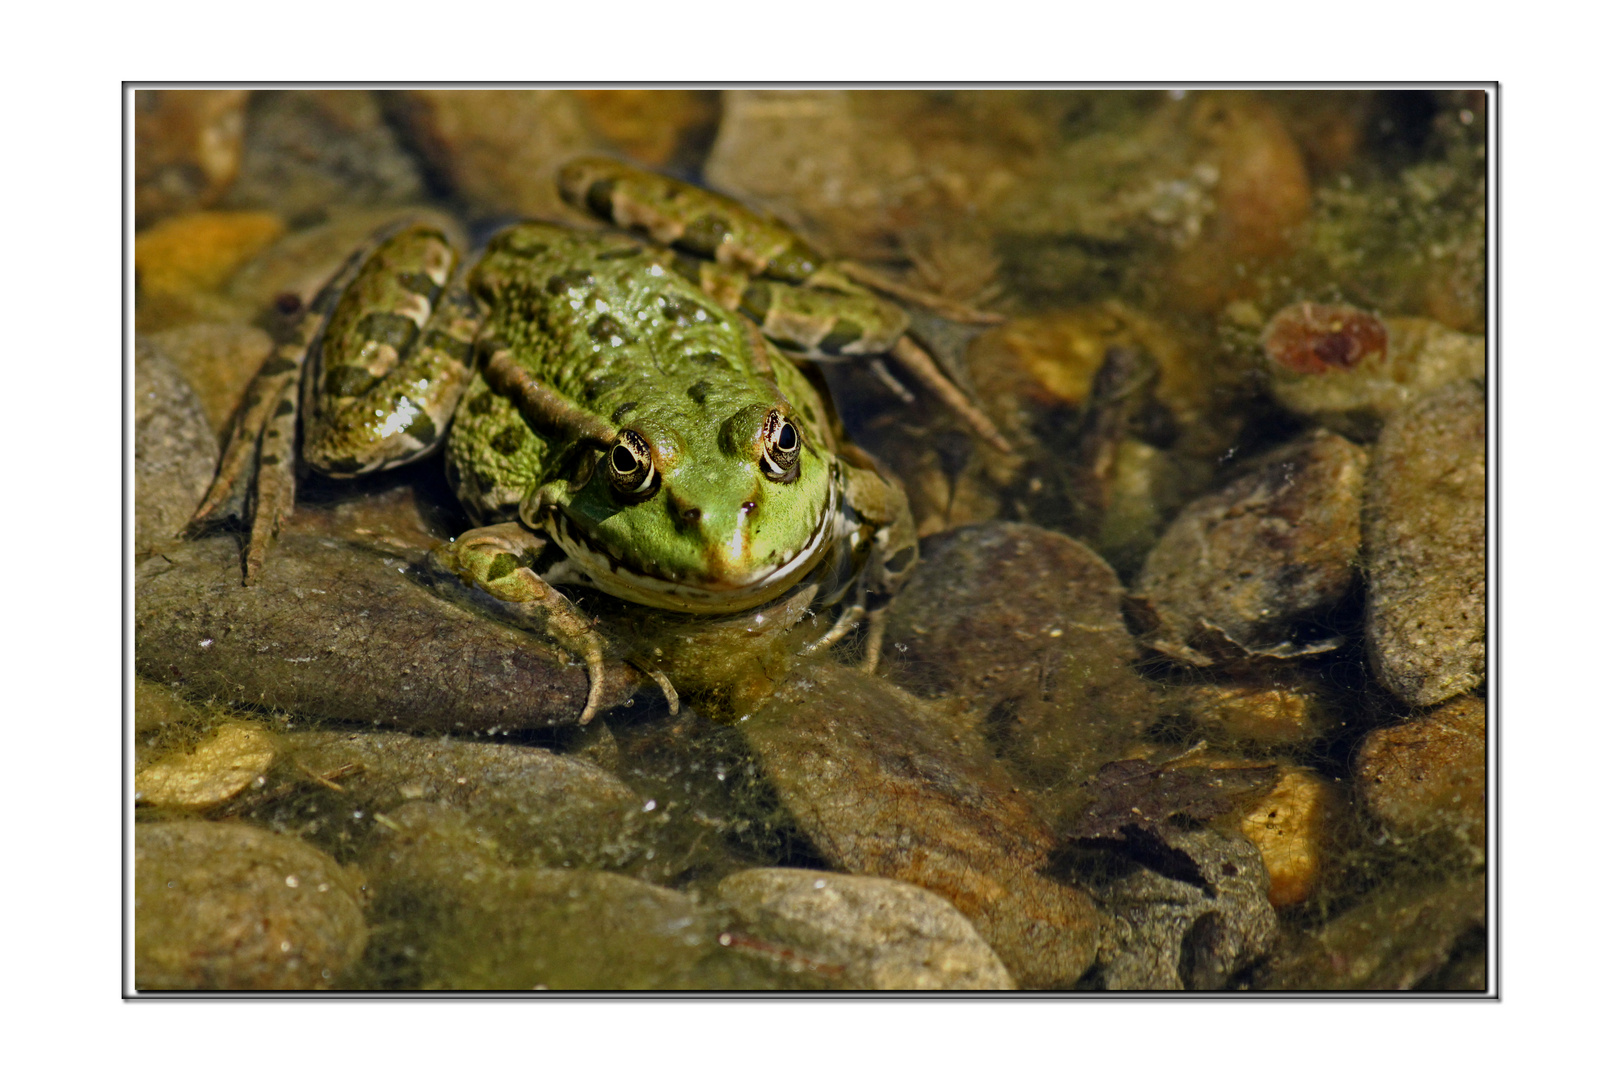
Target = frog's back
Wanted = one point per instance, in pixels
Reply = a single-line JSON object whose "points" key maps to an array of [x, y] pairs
{"points": [[611, 328]]}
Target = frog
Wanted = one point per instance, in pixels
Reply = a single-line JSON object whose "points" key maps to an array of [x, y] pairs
{"points": [[633, 410]]}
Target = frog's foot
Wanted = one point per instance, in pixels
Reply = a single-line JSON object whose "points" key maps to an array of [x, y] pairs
{"points": [[848, 620], [259, 457], [939, 305], [670, 696], [497, 561], [911, 356], [256, 480], [881, 372], [876, 622]]}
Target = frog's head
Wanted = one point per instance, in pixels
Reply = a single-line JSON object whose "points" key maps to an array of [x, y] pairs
{"points": [[709, 509]]}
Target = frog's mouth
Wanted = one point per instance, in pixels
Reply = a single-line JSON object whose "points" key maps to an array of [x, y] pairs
{"points": [[614, 574]]}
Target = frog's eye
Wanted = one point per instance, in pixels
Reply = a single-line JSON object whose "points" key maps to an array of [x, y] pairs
{"points": [[629, 466], [780, 460]]}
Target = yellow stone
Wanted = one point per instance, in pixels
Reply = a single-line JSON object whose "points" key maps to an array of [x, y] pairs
{"points": [[197, 253], [1291, 827], [217, 769]]}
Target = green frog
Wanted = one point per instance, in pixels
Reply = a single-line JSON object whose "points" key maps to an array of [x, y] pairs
{"points": [[608, 418]]}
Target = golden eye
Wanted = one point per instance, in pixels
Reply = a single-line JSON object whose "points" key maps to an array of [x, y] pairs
{"points": [[780, 461], [629, 466]]}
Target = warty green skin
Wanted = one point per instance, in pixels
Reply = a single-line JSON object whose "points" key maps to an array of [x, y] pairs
{"points": [[606, 325], [613, 341]]}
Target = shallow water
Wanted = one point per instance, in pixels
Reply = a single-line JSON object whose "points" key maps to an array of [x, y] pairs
{"points": [[1210, 556]]}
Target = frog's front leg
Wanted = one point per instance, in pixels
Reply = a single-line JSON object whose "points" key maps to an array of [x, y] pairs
{"points": [[499, 560], [882, 525]]}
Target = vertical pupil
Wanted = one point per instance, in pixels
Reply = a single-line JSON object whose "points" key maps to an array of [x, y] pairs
{"points": [[787, 438], [623, 460]]}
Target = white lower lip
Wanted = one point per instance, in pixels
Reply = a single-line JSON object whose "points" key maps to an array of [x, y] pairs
{"points": [[639, 588]]}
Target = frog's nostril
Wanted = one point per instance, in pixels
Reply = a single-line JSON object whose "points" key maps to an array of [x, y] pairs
{"points": [[748, 507], [693, 515]]}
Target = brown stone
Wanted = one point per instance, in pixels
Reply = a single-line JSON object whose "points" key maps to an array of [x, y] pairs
{"points": [[884, 785], [188, 146], [1425, 531], [1427, 777], [231, 907], [1238, 567]]}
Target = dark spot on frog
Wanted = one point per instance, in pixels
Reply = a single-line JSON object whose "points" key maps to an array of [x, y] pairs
{"points": [[624, 410], [843, 333], [285, 408], [482, 405], [501, 565], [279, 366], [708, 359], [422, 429], [700, 390], [758, 299], [705, 234], [454, 348], [900, 560], [606, 328], [599, 197], [386, 328], [349, 381], [678, 309], [509, 441], [523, 244], [419, 283], [289, 303], [270, 459], [557, 284], [1228, 869]]}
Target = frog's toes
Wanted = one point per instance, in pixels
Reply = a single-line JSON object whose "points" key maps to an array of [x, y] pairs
{"points": [[670, 696]]}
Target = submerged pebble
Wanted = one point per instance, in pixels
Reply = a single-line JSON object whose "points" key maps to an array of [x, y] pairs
{"points": [[175, 449], [1350, 371], [883, 784], [1294, 827], [1190, 920], [230, 907], [218, 360], [208, 774], [340, 630], [862, 933], [306, 151], [1267, 715], [1238, 569], [541, 808], [456, 916], [190, 147], [1402, 938], [1021, 628], [1425, 529], [1425, 779], [498, 149]]}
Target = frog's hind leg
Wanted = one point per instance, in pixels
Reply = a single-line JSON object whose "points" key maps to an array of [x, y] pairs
{"points": [[498, 560], [911, 356], [385, 377], [256, 478]]}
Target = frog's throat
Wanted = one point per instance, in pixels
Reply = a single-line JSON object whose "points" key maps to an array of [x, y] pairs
{"points": [[613, 576]]}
